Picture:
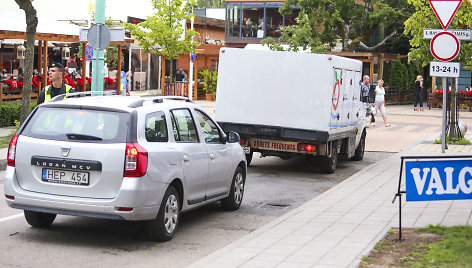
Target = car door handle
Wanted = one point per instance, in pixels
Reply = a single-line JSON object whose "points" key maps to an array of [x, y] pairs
{"points": [[186, 159], [212, 156]]}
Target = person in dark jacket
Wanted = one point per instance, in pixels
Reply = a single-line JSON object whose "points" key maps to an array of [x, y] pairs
{"points": [[418, 98], [57, 87]]}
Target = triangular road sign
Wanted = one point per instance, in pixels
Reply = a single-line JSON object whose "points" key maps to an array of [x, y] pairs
{"points": [[445, 10]]}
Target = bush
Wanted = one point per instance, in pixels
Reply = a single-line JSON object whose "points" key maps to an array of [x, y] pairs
{"points": [[10, 111]]}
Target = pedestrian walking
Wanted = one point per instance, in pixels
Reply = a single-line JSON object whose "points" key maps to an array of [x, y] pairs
{"points": [[418, 97], [365, 88], [57, 87], [380, 101]]}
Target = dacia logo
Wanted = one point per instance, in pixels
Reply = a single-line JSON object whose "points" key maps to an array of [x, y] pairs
{"points": [[65, 151]]}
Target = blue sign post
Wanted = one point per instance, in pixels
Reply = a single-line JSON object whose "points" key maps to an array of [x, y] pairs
{"points": [[430, 178]]}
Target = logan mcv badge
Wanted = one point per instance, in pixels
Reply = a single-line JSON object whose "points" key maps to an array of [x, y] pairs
{"points": [[65, 151]]}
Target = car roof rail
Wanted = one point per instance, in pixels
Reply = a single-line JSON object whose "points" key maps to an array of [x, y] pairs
{"points": [[158, 99], [83, 94]]}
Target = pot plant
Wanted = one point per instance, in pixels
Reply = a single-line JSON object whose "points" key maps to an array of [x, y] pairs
{"points": [[209, 84]]}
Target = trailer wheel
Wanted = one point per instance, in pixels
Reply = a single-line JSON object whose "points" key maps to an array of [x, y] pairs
{"points": [[329, 162], [249, 158], [359, 153]]}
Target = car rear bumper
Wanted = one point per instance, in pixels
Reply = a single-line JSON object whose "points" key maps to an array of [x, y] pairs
{"points": [[135, 193]]}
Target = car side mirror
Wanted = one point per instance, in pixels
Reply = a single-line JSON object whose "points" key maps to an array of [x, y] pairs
{"points": [[223, 138], [233, 137]]}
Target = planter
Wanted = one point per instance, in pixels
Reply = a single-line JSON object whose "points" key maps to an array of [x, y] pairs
{"points": [[209, 97]]}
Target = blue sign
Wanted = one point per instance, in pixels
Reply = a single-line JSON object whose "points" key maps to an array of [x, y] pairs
{"points": [[88, 52], [193, 56], [438, 180]]}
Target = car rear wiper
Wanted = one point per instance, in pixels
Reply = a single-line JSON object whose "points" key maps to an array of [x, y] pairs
{"points": [[76, 136]]}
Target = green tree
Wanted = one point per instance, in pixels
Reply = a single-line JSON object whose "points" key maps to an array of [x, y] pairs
{"points": [[323, 21], [399, 74], [211, 3], [163, 33], [31, 24], [424, 17]]}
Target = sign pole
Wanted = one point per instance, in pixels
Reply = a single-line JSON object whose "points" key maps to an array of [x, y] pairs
{"points": [[444, 85], [97, 71]]}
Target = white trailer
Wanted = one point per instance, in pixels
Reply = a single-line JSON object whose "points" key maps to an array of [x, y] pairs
{"points": [[287, 103]]}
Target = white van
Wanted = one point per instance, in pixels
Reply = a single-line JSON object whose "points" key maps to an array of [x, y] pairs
{"points": [[286, 104]]}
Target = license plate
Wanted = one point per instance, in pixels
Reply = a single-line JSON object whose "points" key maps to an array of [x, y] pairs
{"points": [[247, 150], [65, 176], [272, 145]]}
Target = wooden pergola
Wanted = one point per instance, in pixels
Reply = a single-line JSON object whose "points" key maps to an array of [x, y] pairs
{"points": [[43, 40]]}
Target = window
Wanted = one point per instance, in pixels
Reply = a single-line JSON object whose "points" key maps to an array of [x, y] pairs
{"points": [[211, 134], [233, 17], [183, 126], [156, 127], [253, 20], [56, 123], [273, 19]]}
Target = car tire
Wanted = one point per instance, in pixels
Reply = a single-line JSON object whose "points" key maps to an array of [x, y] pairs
{"points": [[249, 158], [164, 226], [329, 162], [359, 153], [236, 193], [39, 219]]}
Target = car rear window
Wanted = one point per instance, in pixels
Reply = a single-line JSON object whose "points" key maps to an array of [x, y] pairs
{"points": [[78, 125]]}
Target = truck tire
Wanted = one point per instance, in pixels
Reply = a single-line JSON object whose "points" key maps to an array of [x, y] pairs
{"points": [[249, 158], [329, 162], [359, 153]]}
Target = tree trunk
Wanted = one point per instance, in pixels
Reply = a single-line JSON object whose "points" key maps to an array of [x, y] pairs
{"points": [[31, 23], [171, 68]]}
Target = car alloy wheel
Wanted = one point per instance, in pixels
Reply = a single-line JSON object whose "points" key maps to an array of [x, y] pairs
{"points": [[171, 213], [238, 188]]}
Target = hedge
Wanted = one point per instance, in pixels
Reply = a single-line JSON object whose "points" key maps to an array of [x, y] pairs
{"points": [[10, 111]]}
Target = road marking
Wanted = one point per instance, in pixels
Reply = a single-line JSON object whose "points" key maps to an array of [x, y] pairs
{"points": [[11, 217]]}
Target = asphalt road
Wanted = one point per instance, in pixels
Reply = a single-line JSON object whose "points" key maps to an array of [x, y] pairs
{"points": [[274, 187]]}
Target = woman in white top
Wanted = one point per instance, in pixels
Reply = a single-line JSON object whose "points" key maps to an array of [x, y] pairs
{"points": [[380, 101]]}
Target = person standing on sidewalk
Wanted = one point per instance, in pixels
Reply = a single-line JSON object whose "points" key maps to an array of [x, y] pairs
{"points": [[365, 88], [380, 101], [418, 98], [57, 87]]}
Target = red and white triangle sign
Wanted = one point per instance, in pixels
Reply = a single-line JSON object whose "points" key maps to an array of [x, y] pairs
{"points": [[445, 10]]}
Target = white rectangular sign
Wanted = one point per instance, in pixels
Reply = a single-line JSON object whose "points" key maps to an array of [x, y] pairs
{"points": [[460, 34], [444, 69], [117, 34]]}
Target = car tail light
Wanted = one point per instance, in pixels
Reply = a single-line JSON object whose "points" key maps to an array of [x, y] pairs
{"points": [[306, 147], [12, 151], [242, 141], [136, 160], [10, 197], [125, 209]]}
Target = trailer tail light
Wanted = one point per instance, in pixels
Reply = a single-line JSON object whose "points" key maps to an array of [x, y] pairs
{"points": [[12, 151], [136, 160], [306, 147]]}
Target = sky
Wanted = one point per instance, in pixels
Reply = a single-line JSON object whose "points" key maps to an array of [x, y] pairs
{"points": [[78, 9]]}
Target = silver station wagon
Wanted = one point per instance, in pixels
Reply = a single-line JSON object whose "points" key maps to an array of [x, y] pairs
{"points": [[123, 158]]}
